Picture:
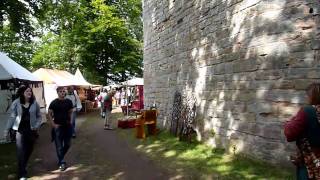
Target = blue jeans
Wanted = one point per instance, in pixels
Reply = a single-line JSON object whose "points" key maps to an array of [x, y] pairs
{"points": [[102, 109], [24, 144], [107, 118], [73, 122], [62, 140], [302, 173]]}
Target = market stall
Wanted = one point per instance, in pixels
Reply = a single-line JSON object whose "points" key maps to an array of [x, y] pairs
{"points": [[134, 95], [12, 75], [131, 94], [54, 78]]}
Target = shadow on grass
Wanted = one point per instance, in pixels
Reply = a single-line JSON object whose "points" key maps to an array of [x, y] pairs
{"points": [[8, 160], [198, 161]]}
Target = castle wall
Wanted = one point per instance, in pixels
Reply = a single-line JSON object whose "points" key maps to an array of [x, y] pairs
{"points": [[247, 62]]}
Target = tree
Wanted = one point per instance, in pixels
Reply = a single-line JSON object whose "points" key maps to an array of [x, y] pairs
{"points": [[102, 37], [94, 36], [20, 50], [17, 16], [17, 28]]}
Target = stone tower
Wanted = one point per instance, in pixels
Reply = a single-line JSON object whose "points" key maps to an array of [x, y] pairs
{"points": [[247, 62]]}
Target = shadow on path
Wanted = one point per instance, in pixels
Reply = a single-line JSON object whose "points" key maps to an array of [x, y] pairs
{"points": [[94, 154]]}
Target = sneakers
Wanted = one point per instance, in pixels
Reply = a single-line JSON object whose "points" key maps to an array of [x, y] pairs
{"points": [[62, 167], [107, 127]]}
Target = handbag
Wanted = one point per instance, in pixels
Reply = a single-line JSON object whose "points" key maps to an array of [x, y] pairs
{"points": [[12, 135], [311, 161]]}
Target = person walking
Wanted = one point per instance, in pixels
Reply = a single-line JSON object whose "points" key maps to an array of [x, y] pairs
{"points": [[74, 98], [107, 109], [304, 129], [59, 112], [101, 98], [117, 97], [25, 120]]}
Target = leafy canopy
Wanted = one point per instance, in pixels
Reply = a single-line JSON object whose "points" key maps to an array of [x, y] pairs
{"points": [[101, 37]]}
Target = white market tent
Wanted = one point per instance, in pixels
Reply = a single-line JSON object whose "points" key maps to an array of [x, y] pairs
{"points": [[12, 75], [60, 78], [112, 86], [133, 82], [81, 79], [78, 75], [12, 70], [54, 78]]}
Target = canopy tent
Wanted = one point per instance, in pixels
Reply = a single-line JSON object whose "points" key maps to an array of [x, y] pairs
{"points": [[78, 75], [12, 75], [12, 70], [112, 86], [54, 78], [133, 82], [136, 104], [59, 78]]}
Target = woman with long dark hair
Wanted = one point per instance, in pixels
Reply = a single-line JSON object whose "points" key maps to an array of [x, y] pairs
{"points": [[304, 129], [25, 119]]}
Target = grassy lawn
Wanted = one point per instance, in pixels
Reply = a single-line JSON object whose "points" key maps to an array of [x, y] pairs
{"points": [[198, 161], [8, 160]]}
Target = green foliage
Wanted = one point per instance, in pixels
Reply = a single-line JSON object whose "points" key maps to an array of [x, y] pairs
{"points": [[93, 35], [17, 15], [18, 49], [17, 20], [55, 52], [101, 37], [130, 11]]}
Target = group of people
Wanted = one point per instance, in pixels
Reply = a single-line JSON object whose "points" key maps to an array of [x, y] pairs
{"points": [[123, 96], [117, 97], [25, 120]]}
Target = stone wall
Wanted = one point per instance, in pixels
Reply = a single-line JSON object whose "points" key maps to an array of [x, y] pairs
{"points": [[247, 62]]}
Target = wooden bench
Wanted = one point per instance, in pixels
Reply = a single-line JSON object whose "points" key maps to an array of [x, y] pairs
{"points": [[149, 118]]}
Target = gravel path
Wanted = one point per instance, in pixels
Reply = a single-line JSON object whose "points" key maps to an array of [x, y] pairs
{"points": [[95, 154]]}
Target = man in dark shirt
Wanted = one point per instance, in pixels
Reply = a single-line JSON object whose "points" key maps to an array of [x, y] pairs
{"points": [[59, 112]]}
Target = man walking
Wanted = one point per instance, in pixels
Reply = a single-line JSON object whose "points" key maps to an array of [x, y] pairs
{"points": [[59, 112]]}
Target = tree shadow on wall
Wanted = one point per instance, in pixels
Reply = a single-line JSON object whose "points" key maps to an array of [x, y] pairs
{"points": [[246, 63]]}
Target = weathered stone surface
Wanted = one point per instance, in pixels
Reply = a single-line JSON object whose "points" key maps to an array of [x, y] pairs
{"points": [[247, 62]]}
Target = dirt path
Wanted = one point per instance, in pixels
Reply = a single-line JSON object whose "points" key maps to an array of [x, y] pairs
{"points": [[95, 154]]}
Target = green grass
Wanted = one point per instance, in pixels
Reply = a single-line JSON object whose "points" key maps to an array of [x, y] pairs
{"points": [[8, 160], [199, 161]]}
